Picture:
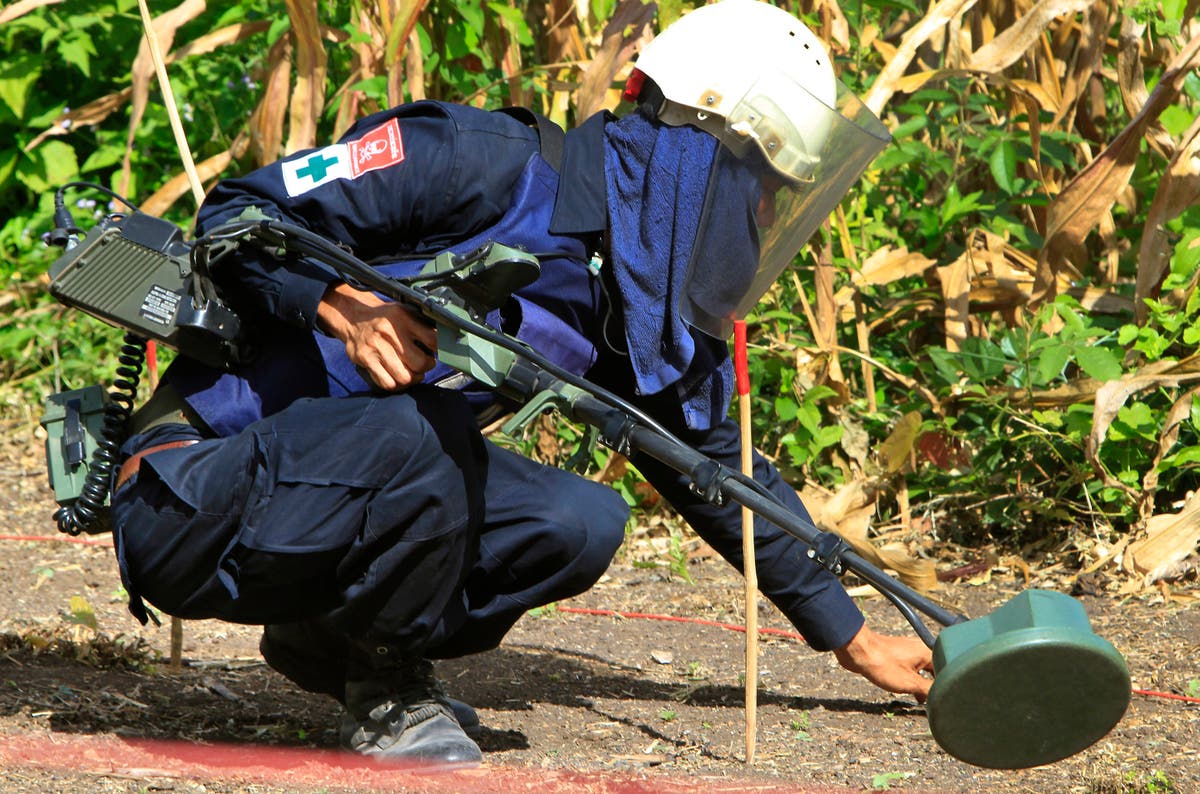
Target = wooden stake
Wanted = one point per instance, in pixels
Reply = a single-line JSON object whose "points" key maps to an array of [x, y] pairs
{"points": [[741, 368]]}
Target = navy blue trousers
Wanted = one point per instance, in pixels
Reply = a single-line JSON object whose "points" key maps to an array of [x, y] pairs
{"points": [[388, 519]]}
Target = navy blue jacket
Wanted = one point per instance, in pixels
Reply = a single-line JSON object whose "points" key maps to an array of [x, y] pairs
{"points": [[410, 182]]}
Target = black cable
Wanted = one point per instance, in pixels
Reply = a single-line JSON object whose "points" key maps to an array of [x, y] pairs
{"points": [[89, 513], [360, 275]]}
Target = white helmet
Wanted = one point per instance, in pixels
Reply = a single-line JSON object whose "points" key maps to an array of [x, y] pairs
{"points": [[754, 77], [749, 74]]}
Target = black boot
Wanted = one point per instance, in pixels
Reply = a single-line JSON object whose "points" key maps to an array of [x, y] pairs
{"points": [[399, 713], [315, 658]]}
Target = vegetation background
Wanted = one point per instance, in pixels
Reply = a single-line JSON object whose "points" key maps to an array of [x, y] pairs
{"points": [[991, 344]]}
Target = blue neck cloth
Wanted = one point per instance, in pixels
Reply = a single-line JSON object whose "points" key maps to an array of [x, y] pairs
{"points": [[657, 176]]}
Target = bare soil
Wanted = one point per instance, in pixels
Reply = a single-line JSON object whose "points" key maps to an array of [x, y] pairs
{"points": [[570, 702]]}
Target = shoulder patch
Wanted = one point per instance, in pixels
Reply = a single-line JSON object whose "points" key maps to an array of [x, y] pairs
{"points": [[378, 148]]}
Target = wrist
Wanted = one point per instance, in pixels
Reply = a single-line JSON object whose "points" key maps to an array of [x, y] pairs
{"points": [[338, 308], [855, 655]]}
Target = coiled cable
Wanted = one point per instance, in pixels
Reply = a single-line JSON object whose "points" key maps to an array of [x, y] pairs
{"points": [[89, 513]]}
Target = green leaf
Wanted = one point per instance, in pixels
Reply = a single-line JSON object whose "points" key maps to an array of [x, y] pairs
{"points": [[102, 158], [472, 14], [946, 364], [514, 21], [281, 25], [982, 359], [1133, 421], [817, 393], [1003, 164], [914, 124], [78, 50], [48, 166], [1049, 418], [1098, 362], [1051, 362], [8, 164], [1184, 457], [829, 435], [785, 409], [17, 77]]}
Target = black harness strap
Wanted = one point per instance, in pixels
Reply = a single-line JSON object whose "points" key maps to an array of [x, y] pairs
{"points": [[550, 134]]}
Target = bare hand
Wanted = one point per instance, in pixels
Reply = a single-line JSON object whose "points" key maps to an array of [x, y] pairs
{"points": [[388, 342], [891, 663]]}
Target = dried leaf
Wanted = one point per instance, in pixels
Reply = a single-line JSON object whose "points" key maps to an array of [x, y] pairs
{"points": [[82, 612], [22, 7], [896, 451], [1170, 538], [308, 98], [1004, 50], [93, 112], [835, 27], [1041, 98], [399, 33], [826, 315], [1131, 81], [1086, 59], [1078, 209], [213, 41], [266, 122], [935, 19], [626, 31], [955, 282], [888, 265], [848, 513]]}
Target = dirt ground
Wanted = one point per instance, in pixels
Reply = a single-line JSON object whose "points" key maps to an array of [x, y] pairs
{"points": [[570, 702]]}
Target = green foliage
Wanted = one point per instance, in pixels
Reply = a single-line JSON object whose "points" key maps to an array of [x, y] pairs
{"points": [[998, 459]]}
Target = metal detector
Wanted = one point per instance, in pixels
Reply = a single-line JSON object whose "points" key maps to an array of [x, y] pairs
{"points": [[1026, 685]]}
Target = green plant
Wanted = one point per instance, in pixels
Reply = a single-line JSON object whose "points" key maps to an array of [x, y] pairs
{"points": [[884, 781], [544, 611], [679, 559], [1158, 783], [800, 727]]}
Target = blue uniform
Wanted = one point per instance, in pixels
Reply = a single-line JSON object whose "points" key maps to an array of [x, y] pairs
{"points": [[310, 497]]}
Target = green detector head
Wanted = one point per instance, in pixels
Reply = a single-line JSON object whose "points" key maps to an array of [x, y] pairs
{"points": [[1027, 685]]}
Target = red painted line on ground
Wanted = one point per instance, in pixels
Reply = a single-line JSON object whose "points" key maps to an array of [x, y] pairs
{"points": [[60, 538], [293, 767], [1167, 695]]}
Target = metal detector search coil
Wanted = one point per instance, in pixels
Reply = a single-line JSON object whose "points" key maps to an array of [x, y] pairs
{"points": [[1026, 685]]}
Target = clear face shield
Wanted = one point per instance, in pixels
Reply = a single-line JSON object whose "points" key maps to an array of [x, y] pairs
{"points": [[772, 184]]}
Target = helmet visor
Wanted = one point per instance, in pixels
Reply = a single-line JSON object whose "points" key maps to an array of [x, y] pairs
{"points": [[759, 211]]}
